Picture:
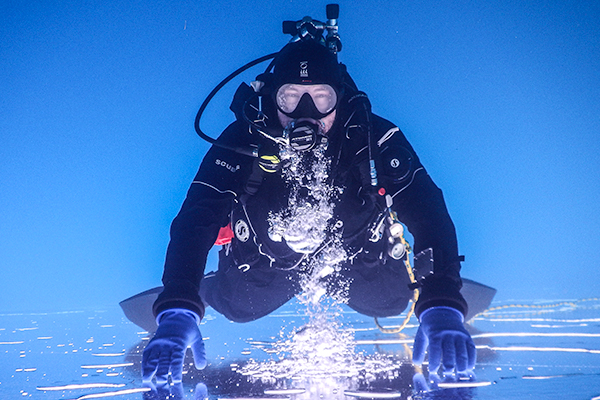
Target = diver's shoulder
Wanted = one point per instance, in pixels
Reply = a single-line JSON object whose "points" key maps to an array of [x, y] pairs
{"points": [[385, 129], [381, 123]]}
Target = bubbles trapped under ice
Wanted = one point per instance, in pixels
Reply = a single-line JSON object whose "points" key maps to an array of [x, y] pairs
{"points": [[323, 347]]}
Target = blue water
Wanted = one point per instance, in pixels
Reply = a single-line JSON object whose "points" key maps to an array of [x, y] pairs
{"points": [[98, 150], [499, 100], [544, 351]]}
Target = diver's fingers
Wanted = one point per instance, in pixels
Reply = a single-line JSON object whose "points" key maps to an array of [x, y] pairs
{"points": [[448, 352]]}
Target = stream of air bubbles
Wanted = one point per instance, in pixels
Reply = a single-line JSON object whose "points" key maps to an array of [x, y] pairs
{"points": [[323, 347]]}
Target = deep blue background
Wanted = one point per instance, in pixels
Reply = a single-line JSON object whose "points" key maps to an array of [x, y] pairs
{"points": [[97, 101]]}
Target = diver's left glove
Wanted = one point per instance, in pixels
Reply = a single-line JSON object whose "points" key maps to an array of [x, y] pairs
{"points": [[450, 344], [177, 329]]}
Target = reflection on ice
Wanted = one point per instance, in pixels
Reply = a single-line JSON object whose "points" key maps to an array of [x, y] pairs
{"points": [[103, 366], [448, 385], [31, 367], [284, 391], [541, 349], [519, 354], [536, 334], [108, 354], [374, 395], [81, 386], [112, 394]]}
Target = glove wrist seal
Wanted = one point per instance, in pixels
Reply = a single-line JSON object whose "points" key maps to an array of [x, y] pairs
{"points": [[178, 311], [425, 312]]}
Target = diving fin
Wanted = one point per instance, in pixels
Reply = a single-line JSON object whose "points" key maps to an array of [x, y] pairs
{"points": [[138, 308], [478, 297]]}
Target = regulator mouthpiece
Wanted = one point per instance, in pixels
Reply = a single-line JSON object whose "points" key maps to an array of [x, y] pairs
{"points": [[304, 134]]}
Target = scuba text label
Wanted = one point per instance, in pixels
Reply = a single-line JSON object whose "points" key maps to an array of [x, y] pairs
{"points": [[227, 165]]}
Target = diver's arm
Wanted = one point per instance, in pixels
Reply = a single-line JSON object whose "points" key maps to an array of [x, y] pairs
{"points": [[195, 228], [179, 308], [420, 205], [441, 308], [422, 208], [193, 233]]}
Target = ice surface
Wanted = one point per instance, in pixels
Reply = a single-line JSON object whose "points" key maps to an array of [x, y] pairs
{"points": [[546, 353]]}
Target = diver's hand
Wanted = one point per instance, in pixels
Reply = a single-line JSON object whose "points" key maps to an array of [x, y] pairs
{"points": [[177, 329], [449, 342]]}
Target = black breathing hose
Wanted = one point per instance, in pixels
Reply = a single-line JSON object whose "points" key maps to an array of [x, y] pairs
{"points": [[241, 150]]}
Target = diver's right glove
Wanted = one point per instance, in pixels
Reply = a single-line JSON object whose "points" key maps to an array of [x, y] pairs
{"points": [[449, 342], [177, 329]]}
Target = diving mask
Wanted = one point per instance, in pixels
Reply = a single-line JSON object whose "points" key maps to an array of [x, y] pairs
{"points": [[306, 101]]}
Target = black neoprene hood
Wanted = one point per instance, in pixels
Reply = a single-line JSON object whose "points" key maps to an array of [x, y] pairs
{"points": [[306, 62]]}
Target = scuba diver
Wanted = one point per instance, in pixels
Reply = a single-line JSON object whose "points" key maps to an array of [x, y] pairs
{"points": [[307, 103]]}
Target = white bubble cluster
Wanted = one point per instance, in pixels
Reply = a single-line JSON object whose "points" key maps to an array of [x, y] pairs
{"points": [[305, 222], [323, 347]]}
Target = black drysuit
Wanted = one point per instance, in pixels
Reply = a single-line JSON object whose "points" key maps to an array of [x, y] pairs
{"points": [[256, 275]]}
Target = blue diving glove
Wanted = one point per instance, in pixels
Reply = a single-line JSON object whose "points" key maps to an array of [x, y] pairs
{"points": [[449, 342], [177, 329]]}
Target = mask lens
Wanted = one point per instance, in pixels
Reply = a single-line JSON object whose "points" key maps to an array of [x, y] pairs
{"points": [[323, 96]]}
